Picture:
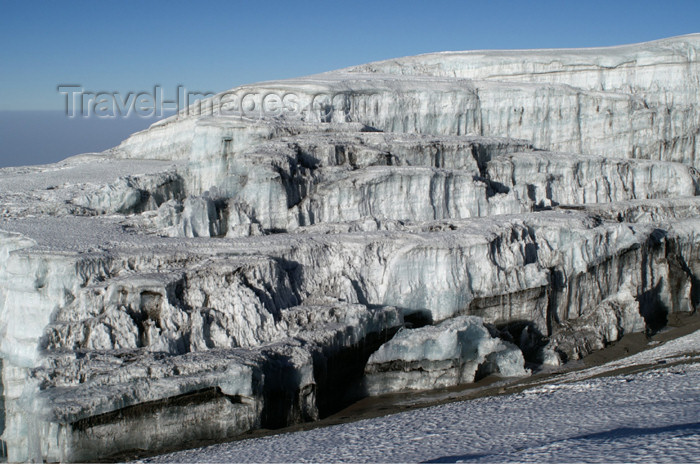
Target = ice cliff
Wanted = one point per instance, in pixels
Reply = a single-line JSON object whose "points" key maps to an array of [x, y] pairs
{"points": [[273, 253]]}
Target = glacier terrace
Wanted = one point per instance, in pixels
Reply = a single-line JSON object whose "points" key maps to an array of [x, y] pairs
{"points": [[270, 255]]}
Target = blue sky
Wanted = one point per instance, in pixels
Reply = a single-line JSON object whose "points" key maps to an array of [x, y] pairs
{"points": [[214, 45]]}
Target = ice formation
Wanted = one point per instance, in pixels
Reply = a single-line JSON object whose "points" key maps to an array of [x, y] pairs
{"points": [[282, 248], [446, 354]]}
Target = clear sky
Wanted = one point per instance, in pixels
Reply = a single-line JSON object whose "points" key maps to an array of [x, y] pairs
{"points": [[215, 45]]}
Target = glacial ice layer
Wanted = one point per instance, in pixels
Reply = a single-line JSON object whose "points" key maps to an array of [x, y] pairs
{"points": [[281, 249]]}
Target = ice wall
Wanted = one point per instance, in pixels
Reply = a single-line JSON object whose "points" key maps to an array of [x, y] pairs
{"points": [[633, 101], [636, 101]]}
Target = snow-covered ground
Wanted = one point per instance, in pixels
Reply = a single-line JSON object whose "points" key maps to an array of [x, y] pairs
{"points": [[649, 416]]}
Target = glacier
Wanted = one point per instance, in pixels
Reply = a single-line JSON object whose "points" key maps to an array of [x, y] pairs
{"points": [[279, 250], [582, 416]]}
